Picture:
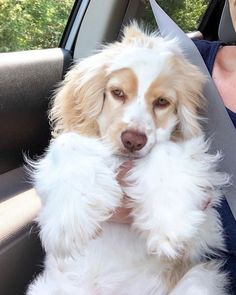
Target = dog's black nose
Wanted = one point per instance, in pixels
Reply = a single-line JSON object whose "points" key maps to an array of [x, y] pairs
{"points": [[133, 140]]}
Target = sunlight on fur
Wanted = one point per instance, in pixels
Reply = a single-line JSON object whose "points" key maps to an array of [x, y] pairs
{"points": [[138, 99]]}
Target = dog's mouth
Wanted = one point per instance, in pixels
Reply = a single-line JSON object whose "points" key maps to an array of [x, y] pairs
{"points": [[128, 155]]}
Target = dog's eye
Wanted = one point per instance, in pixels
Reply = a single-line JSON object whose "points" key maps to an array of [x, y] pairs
{"points": [[161, 102], [118, 93]]}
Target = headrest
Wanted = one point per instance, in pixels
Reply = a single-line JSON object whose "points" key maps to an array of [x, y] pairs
{"points": [[226, 30]]}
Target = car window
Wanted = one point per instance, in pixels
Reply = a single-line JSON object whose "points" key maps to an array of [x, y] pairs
{"points": [[32, 24], [186, 13]]}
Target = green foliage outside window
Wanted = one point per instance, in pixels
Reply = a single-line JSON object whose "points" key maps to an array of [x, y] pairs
{"points": [[32, 24], [186, 13]]}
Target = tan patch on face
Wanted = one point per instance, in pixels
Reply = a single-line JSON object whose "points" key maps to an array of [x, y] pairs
{"points": [[181, 84], [125, 80], [160, 87]]}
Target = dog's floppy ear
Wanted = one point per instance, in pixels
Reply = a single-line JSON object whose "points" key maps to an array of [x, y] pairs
{"points": [[79, 99], [190, 99]]}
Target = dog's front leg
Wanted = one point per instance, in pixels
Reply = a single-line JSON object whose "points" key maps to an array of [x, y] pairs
{"points": [[167, 193], [78, 190]]}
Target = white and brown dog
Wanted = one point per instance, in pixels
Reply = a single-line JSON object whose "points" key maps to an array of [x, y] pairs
{"points": [[137, 99]]}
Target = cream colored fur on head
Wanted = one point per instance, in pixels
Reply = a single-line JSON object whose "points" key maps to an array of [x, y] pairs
{"points": [[145, 68], [140, 89]]}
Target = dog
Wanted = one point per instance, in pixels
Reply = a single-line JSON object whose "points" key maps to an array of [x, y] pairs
{"points": [[137, 100]]}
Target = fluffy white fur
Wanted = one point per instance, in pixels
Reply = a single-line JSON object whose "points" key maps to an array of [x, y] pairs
{"points": [[173, 187]]}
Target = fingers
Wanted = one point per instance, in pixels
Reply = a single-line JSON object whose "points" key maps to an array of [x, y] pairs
{"points": [[122, 172], [121, 216]]}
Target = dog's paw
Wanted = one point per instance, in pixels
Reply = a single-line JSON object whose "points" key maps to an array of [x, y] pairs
{"points": [[168, 231], [162, 246], [79, 191], [171, 236], [67, 232]]}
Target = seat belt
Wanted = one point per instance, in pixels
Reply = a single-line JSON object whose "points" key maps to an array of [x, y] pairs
{"points": [[219, 127]]}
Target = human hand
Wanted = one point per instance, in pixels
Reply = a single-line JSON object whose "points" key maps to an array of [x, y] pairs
{"points": [[122, 213]]}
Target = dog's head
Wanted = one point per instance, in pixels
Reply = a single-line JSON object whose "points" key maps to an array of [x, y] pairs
{"points": [[133, 94]]}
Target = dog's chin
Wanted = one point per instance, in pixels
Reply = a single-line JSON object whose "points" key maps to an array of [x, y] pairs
{"points": [[131, 155]]}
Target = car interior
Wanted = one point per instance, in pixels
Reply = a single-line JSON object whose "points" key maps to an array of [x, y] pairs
{"points": [[28, 79]]}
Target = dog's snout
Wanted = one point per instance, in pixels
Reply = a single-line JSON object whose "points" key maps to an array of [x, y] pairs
{"points": [[133, 140]]}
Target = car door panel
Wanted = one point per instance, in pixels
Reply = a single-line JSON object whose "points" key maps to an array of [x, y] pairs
{"points": [[27, 83]]}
